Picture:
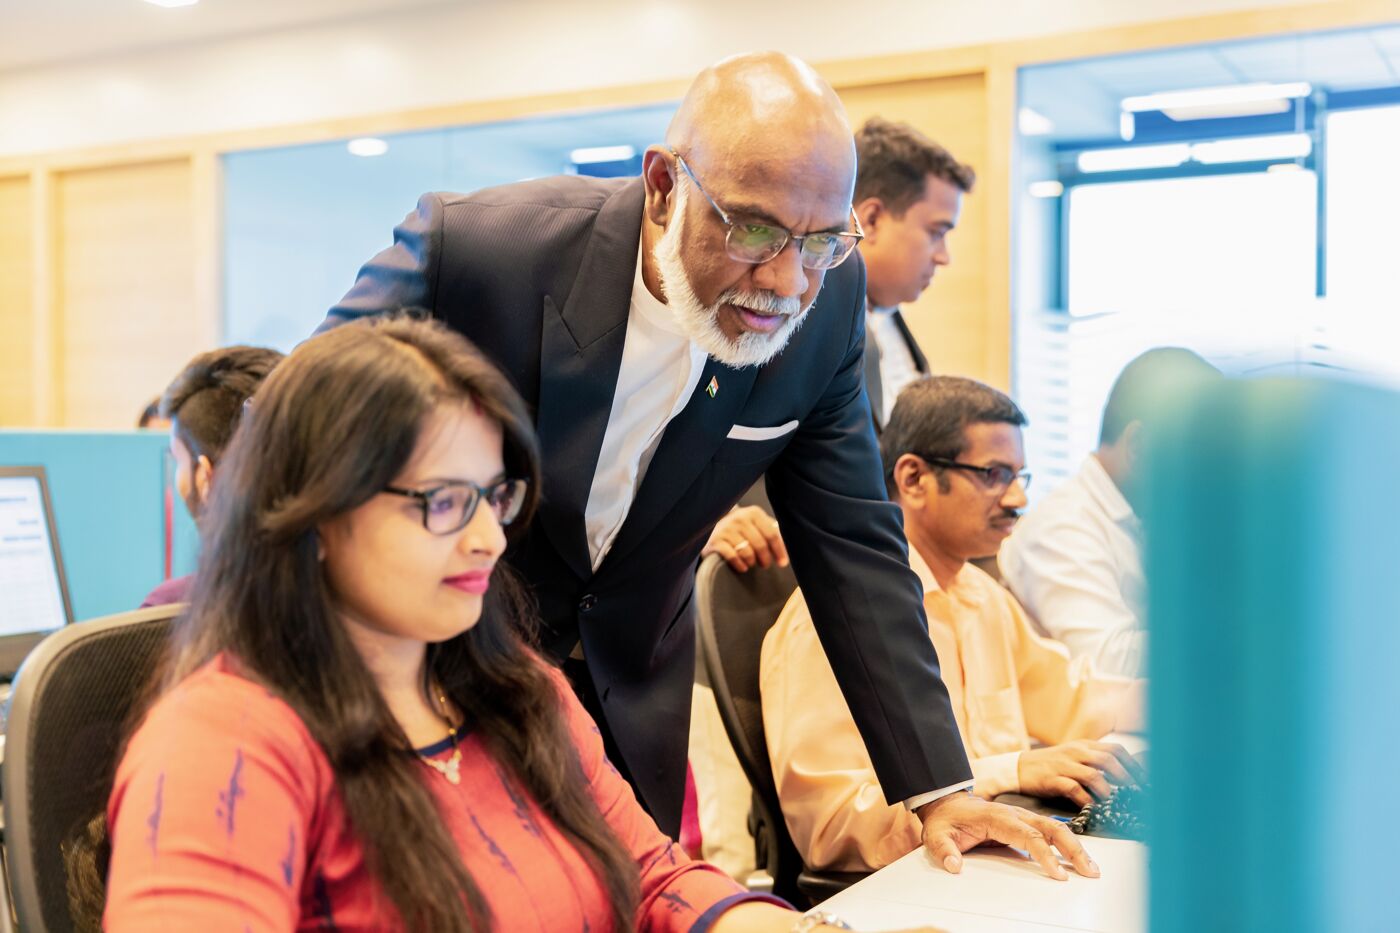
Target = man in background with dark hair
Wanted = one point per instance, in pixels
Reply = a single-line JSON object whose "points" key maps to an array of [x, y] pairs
{"points": [[204, 405], [1075, 561], [908, 197], [954, 461]]}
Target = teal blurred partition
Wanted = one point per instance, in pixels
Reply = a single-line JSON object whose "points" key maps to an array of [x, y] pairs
{"points": [[1273, 529], [109, 493]]}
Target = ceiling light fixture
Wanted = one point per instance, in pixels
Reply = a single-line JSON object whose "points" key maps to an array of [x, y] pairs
{"points": [[1253, 149], [367, 147], [1208, 103], [594, 154], [1127, 158], [1045, 189], [172, 4], [1127, 126], [1218, 151]]}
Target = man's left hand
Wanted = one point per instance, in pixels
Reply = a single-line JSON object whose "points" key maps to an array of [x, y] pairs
{"points": [[959, 821]]}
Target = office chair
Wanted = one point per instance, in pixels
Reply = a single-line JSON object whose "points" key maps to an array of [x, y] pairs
{"points": [[735, 612], [71, 701]]}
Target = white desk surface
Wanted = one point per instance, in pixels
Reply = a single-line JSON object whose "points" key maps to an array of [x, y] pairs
{"points": [[1001, 890]]}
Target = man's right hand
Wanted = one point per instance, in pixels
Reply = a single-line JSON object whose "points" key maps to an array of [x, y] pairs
{"points": [[746, 537], [1080, 770]]}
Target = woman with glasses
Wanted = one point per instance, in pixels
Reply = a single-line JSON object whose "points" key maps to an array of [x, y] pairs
{"points": [[352, 730]]}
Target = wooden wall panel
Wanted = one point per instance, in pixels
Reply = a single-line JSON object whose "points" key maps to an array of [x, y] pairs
{"points": [[952, 319], [126, 299], [16, 304]]}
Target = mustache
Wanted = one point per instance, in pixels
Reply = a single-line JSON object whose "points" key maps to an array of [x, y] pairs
{"points": [[764, 302], [1013, 515]]}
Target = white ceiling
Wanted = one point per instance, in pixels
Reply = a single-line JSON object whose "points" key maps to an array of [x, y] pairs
{"points": [[1082, 98], [41, 32]]}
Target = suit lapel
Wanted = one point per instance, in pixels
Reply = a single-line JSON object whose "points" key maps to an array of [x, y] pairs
{"points": [[920, 361], [686, 447], [580, 355]]}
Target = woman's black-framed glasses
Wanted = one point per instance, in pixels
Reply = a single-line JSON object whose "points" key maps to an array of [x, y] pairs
{"points": [[993, 477], [756, 242], [448, 508]]}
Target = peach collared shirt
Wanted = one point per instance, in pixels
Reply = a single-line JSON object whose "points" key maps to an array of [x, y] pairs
{"points": [[1007, 684]]}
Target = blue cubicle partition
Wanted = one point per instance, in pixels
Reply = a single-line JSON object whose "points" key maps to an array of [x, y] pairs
{"points": [[1273, 528], [109, 493]]}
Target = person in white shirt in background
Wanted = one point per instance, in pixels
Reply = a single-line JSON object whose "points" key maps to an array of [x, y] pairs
{"points": [[1075, 559], [908, 197]]}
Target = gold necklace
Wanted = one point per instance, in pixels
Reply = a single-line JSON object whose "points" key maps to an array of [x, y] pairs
{"points": [[451, 769]]}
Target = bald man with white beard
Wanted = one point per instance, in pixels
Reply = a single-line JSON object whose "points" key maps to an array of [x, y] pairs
{"points": [[679, 335]]}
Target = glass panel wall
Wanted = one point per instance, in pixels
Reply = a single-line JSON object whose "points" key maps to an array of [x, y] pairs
{"points": [[299, 221]]}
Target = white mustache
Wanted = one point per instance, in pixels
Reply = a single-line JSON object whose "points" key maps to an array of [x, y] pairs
{"points": [[762, 302]]}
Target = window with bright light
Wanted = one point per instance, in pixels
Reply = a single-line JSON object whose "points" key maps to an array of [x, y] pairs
{"points": [[1177, 246], [1225, 265], [1360, 329]]}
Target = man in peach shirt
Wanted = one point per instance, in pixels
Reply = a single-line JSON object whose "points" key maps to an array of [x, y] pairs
{"points": [[954, 462]]}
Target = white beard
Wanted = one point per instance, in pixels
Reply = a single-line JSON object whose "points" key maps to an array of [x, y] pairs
{"points": [[701, 322]]}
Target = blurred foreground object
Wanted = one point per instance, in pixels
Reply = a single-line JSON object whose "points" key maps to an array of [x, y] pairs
{"points": [[1273, 529]]}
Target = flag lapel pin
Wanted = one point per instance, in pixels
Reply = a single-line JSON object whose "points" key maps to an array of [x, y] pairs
{"points": [[713, 388]]}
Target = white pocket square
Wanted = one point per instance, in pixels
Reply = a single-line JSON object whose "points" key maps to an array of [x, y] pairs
{"points": [[742, 432]]}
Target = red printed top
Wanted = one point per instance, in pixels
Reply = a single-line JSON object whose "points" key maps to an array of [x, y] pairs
{"points": [[225, 816]]}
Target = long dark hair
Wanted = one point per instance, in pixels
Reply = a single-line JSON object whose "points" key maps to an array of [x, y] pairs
{"points": [[331, 426]]}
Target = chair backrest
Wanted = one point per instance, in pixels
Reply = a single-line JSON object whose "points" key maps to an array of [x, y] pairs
{"points": [[71, 701], [735, 612]]}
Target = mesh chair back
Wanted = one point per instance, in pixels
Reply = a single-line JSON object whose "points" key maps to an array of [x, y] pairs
{"points": [[71, 701], [735, 612]]}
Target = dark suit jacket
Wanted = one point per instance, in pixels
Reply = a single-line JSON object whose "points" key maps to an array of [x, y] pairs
{"points": [[539, 275]]}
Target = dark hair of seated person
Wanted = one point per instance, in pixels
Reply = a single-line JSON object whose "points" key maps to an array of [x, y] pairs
{"points": [[931, 417], [205, 401], [330, 428], [149, 414]]}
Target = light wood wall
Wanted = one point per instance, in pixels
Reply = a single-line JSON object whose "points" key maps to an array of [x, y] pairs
{"points": [[16, 303], [949, 320], [110, 259], [124, 253]]}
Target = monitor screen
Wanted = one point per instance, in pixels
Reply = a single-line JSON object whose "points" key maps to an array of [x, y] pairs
{"points": [[33, 594]]}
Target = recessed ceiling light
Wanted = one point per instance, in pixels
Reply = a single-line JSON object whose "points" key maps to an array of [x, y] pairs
{"points": [[1045, 189], [594, 154], [367, 146], [172, 4]]}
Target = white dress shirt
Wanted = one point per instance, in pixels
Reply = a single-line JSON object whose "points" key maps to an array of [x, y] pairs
{"points": [[660, 370], [1075, 563], [897, 366]]}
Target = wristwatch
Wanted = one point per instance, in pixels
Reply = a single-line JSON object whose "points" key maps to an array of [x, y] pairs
{"points": [[819, 918]]}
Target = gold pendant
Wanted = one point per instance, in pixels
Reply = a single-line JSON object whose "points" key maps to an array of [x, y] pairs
{"points": [[451, 768]]}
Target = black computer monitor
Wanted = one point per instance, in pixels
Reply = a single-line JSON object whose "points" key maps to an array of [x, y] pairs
{"points": [[33, 590]]}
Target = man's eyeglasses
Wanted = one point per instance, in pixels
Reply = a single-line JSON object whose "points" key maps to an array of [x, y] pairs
{"points": [[993, 477], [755, 242], [448, 508]]}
